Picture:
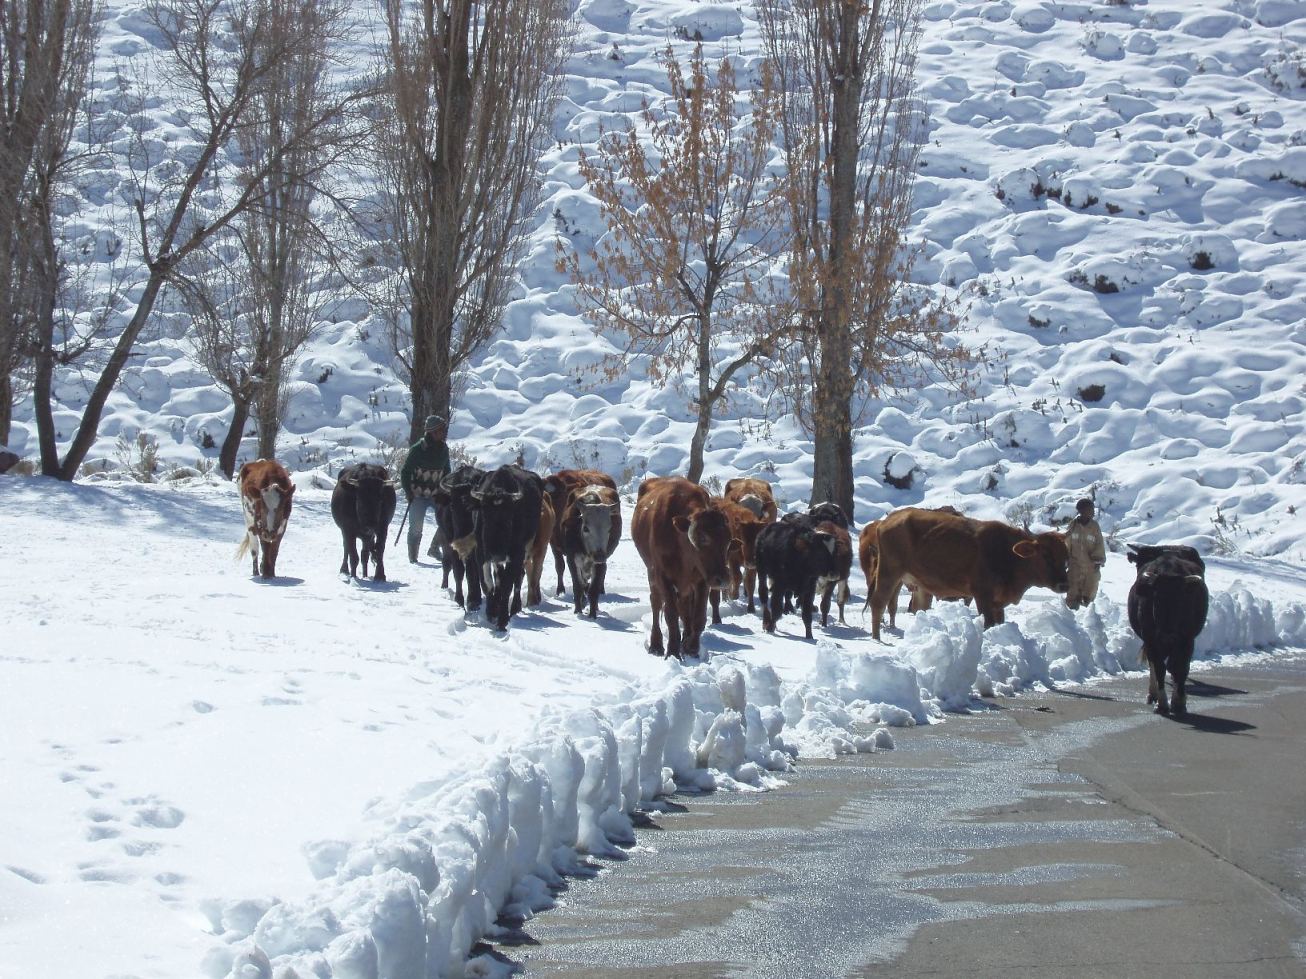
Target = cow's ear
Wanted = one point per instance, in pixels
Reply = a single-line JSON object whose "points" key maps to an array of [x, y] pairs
{"points": [[681, 523], [292, 490], [1025, 549]]}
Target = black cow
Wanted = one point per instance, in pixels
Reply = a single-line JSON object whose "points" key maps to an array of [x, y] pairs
{"points": [[362, 505], [1167, 610], [830, 511], [457, 514], [792, 555], [508, 501]]}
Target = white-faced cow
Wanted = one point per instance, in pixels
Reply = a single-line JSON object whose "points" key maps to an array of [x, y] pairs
{"points": [[362, 505], [590, 528], [508, 502], [956, 557], [831, 519], [559, 487], [265, 496], [1167, 611]]}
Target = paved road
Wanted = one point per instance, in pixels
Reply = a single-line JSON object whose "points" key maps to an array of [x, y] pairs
{"points": [[1071, 834]]}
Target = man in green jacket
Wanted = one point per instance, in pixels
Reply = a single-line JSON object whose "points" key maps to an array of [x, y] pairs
{"points": [[426, 465]]}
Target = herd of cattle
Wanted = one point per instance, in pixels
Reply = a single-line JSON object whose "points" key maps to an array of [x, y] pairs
{"points": [[495, 528]]}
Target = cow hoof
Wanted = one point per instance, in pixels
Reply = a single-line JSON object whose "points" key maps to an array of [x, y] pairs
{"points": [[379, 577]]}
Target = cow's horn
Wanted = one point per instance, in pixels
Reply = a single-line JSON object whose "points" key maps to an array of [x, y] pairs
{"points": [[349, 480], [1195, 577], [477, 495]]}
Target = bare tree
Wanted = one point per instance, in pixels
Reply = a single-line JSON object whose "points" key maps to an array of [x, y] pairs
{"points": [[850, 129], [686, 270], [469, 103], [46, 49], [214, 65], [256, 294]]}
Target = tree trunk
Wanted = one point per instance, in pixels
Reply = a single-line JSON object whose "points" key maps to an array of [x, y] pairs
{"points": [[89, 428], [833, 385], [267, 413], [231, 444], [6, 407]]}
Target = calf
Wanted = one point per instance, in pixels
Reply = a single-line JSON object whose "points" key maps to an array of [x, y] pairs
{"points": [[590, 530], [792, 556], [559, 488], [1167, 611], [456, 514], [685, 543], [509, 501], [265, 495], [362, 505]]}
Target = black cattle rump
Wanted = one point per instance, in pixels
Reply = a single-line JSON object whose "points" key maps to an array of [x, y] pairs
{"points": [[792, 556], [362, 505], [457, 515], [1167, 611], [508, 502]]}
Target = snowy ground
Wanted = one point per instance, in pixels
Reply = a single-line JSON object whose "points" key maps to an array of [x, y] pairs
{"points": [[192, 762], [186, 750]]}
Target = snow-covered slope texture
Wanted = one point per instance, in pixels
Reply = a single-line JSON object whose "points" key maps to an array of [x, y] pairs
{"points": [[1118, 186]]}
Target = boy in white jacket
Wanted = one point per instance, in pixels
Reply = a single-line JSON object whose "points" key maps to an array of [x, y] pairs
{"points": [[1087, 555]]}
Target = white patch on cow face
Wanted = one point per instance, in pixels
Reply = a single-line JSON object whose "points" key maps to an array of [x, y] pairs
{"points": [[272, 514]]}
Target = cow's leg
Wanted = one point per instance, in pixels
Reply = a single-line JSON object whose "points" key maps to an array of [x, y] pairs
{"points": [[557, 564], [447, 558], [459, 571], [378, 559], [883, 596], [693, 611], [1157, 688], [827, 595], [656, 600], [671, 612], [473, 585], [773, 606], [750, 585], [578, 589], [347, 542], [843, 599], [594, 588], [270, 549], [714, 596], [1179, 663], [516, 571], [806, 605]]}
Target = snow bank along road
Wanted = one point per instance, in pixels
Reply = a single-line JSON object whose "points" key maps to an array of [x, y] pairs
{"points": [[200, 772], [1064, 834]]}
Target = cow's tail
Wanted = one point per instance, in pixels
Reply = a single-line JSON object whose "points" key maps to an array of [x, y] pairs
{"points": [[243, 549]]}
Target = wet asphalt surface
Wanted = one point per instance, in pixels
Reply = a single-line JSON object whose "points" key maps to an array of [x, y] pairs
{"points": [[1064, 834]]}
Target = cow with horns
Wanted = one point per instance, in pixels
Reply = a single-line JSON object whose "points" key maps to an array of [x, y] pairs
{"points": [[362, 505], [509, 502], [457, 515], [589, 527], [1167, 611], [265, 496]]}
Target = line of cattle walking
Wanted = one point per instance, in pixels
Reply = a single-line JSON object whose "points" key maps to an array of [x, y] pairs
{"points": [[496, 527]]}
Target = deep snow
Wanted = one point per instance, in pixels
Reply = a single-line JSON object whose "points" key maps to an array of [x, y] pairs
{"points": [[194, 763]]}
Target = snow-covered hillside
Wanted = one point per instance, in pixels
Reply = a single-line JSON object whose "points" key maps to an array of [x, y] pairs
{"points": [[351, 780], [1118, 186]]}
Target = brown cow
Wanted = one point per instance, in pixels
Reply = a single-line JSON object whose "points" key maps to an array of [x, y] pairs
{"points": [[956, 557], [745, 525], [559, 488], [684, 541], [265, 495], [536, 551], [753, 493]]}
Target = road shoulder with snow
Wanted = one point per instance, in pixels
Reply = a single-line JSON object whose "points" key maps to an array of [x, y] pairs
{"points": [[1072, 833]]}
